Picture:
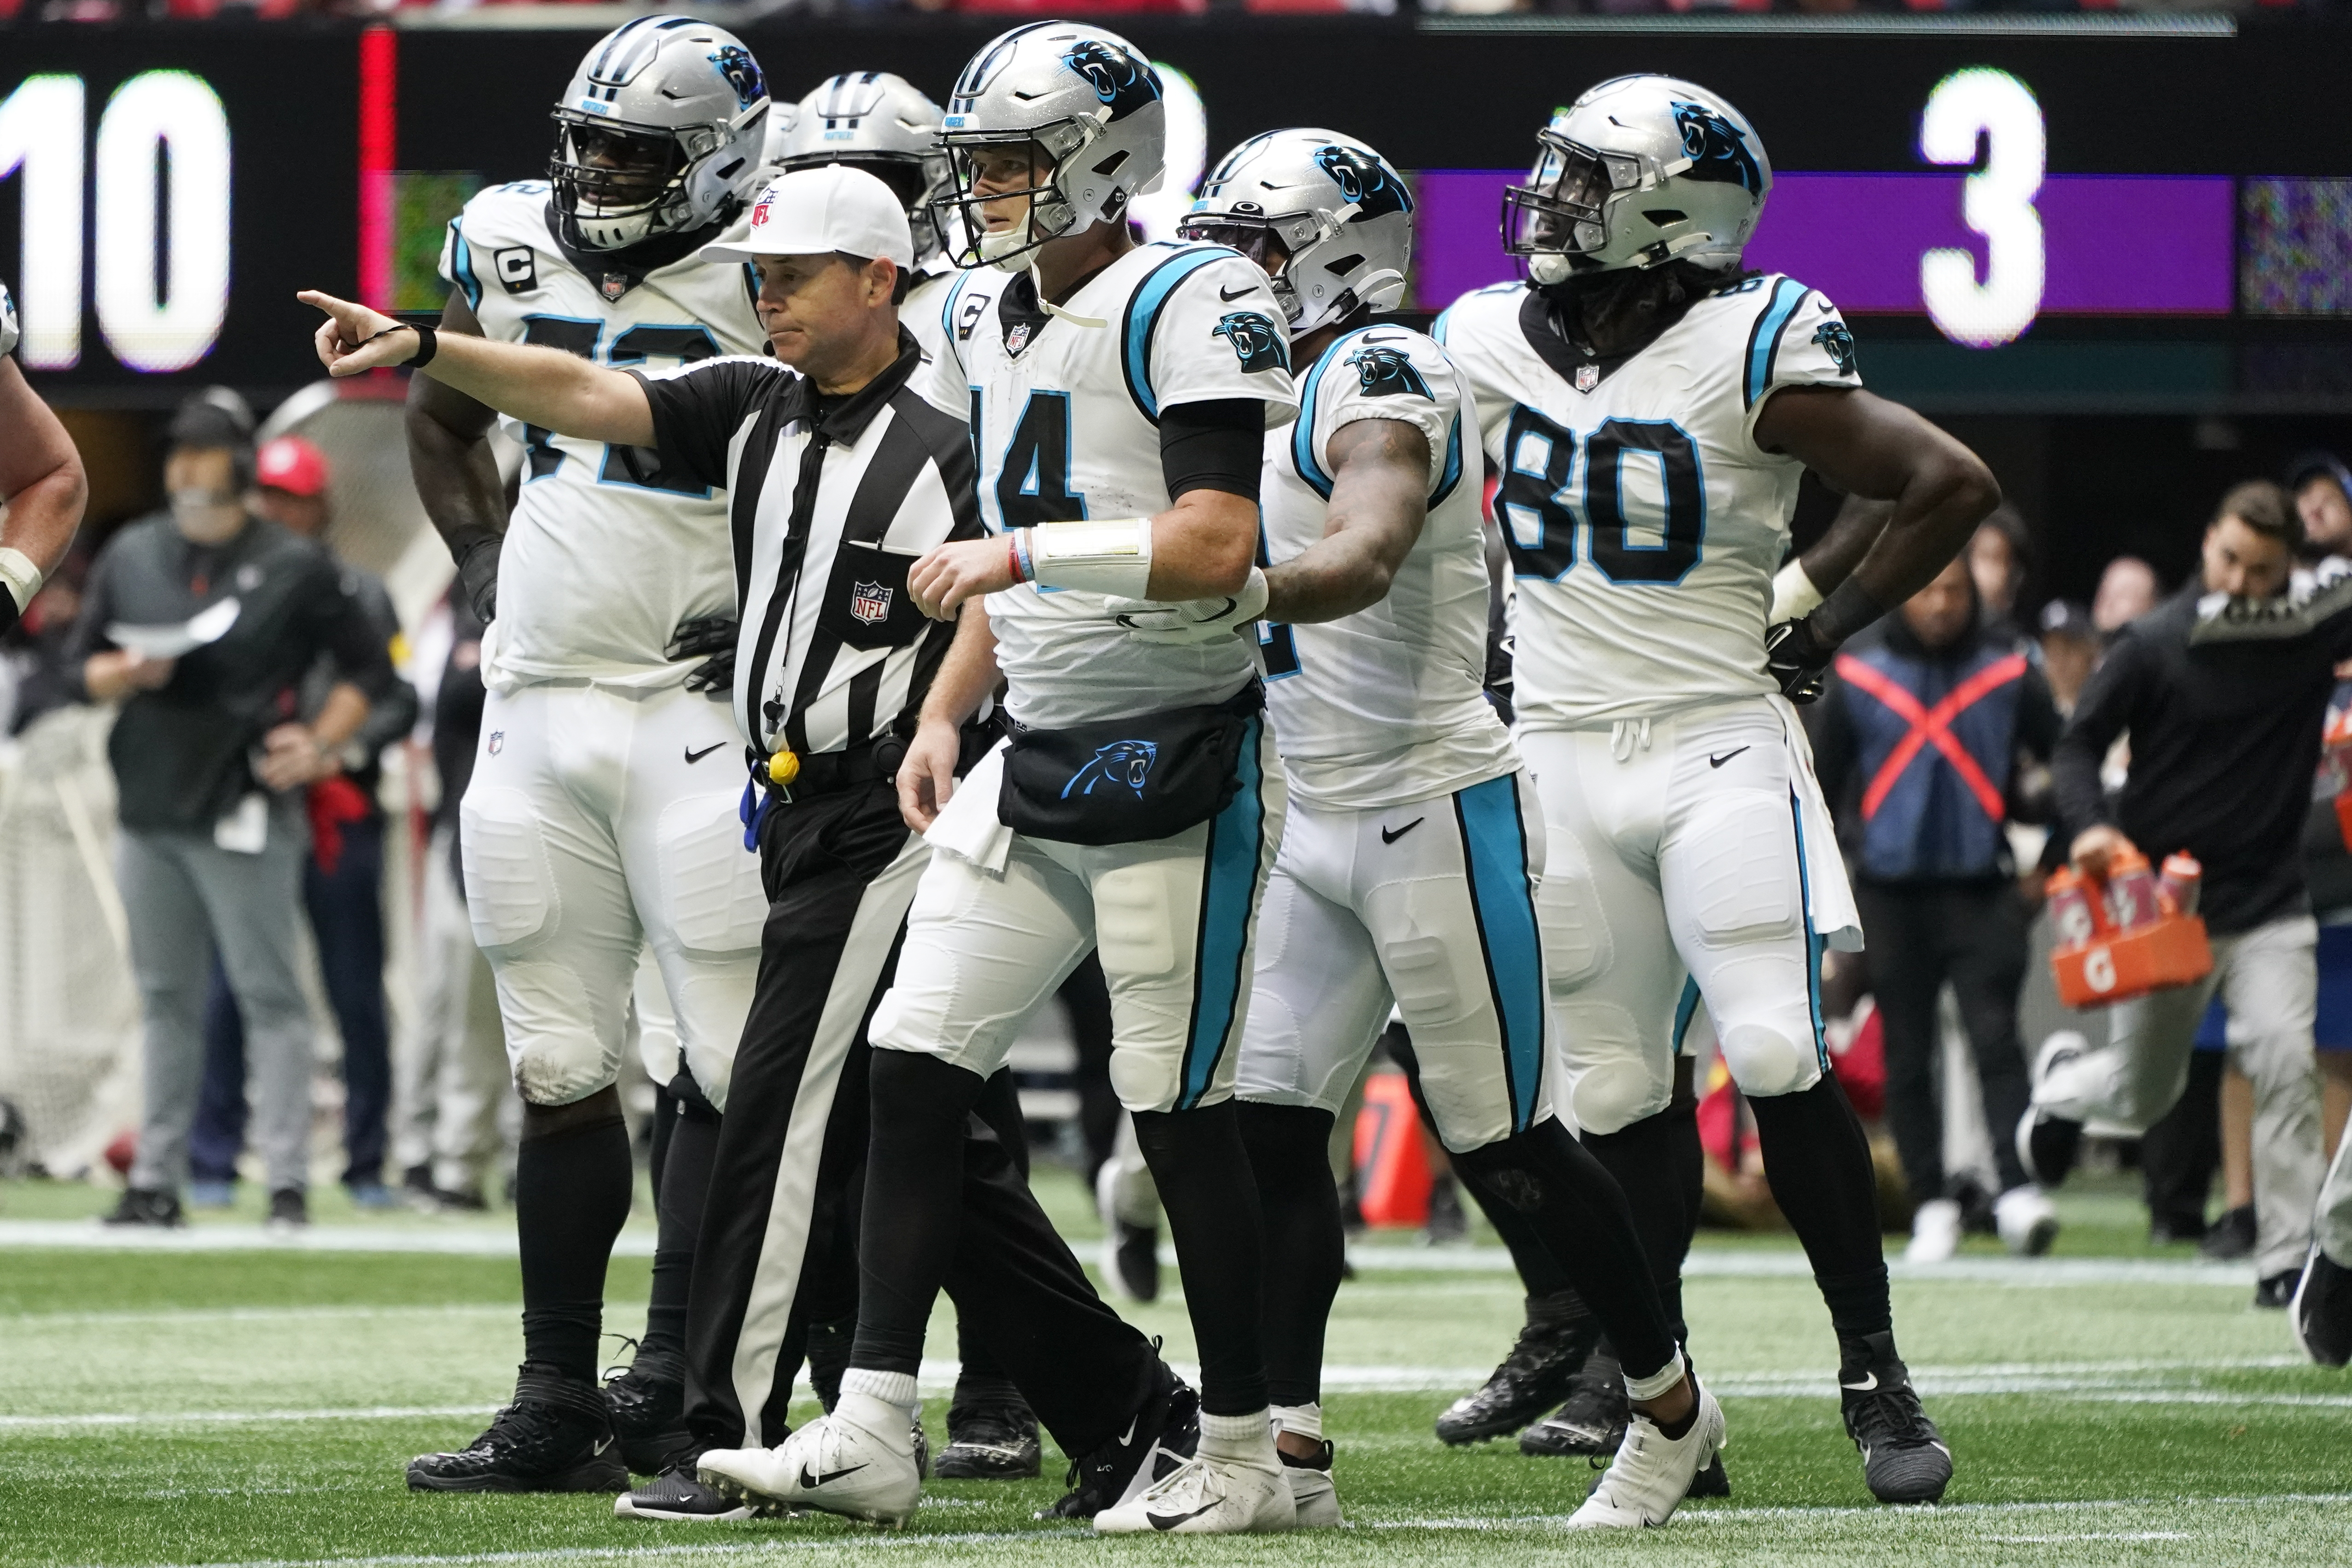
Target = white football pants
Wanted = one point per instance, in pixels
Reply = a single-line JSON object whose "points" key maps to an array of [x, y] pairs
{"points": [[1675, 871], [601, 821], [1431, 906], [1175, 920]]}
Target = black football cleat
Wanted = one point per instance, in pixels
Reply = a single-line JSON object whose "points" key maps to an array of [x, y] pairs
{"points": [[1904, 1457], [1533, 1378], [557, 1436], [1710, 1481], [154, 1206], [2276, 1290], [1593, 1418], [2231, 1238], [647, 1399], [679, 1496], [1162, 1437], [991, 1437], [2322, 1312]]}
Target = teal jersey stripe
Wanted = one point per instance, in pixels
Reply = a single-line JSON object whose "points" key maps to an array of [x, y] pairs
{"points": [[1143, 320], [1765, 347], [1684, 1009], [461, 263], [1812, 940], [1495, 853], [1228, 903]]}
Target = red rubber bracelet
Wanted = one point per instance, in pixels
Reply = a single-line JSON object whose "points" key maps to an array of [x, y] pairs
{"points": [[1013, 554]]}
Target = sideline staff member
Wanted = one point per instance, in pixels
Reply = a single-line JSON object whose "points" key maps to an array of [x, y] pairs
{"points": [[211, 762], [839, 476]]}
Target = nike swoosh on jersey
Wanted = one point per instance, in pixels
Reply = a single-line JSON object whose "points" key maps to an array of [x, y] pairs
{"points": [[1170, 1521], [693, 756], [812, 1480], [1713, 761], [1229, 295], [1389, 838]]}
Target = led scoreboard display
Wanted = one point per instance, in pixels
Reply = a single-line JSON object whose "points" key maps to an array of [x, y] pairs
{"points": [[1988, 192]]}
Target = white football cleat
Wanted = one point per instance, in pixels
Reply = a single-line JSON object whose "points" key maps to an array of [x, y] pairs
{"points": [[1651, 1472], [1207, 1496], [1935, 1232], [1312, 1491], [859, 1462], [2027, 1220]]}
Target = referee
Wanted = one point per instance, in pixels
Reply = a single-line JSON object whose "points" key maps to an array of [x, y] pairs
{"points": [[840, 474]]}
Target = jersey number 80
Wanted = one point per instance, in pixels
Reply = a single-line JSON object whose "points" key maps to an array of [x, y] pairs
{"points": [[1541, 520]]}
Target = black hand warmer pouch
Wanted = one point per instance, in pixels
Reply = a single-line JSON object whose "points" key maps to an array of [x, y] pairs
{"points": [[1128, 780]]}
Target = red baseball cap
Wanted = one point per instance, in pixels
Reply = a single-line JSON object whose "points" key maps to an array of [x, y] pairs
{"points": [[293, 464]]}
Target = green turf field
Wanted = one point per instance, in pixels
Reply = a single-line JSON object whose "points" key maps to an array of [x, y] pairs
{"points": [[255, 1405]]}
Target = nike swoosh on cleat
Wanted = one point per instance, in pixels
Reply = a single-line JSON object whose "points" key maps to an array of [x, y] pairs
{"points": [[812, 1480], [692, 756], [1869, 1382], [598, 1451], [1170, 1521], [1389, 838], [1713, 761], [1229, 295]]}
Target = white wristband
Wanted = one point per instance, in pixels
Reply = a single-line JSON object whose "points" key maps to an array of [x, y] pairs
{"points": [[1113, 556], [22, 578], [1793, 594]]}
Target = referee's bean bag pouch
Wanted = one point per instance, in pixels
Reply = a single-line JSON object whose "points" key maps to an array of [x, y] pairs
{"points": [[867, 604], [1127, 780]]}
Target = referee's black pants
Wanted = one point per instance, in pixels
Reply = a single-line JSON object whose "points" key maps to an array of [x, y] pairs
{"points": [[778, 1246]]}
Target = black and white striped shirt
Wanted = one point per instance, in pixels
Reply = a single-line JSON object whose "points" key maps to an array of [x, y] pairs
{"points": [[831, 501]]}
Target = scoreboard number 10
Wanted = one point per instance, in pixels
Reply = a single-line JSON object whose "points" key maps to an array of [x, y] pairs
{"points": [[160, 193]]}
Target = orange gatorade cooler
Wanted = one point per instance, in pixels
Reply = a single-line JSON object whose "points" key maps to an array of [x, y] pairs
{"points": [[2140, 938]]}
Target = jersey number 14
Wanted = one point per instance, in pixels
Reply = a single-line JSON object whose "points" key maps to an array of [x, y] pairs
{"points": [[1541, 520]]}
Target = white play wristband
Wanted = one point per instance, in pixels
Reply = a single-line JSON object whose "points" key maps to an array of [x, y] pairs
{"points": [[22, 578], [1113, 556], [1793, 594]]}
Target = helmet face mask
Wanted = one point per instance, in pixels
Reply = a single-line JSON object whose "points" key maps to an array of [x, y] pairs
{"points": [[1323, 216]]}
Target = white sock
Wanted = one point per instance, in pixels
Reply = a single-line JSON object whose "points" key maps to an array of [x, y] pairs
{"points": [[1656, 1385], [891, 1387], [1248, 1438], [1305, 1420]]}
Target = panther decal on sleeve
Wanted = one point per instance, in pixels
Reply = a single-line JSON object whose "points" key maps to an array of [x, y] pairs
{"points": [[1837, 341], [1256, 343], [1388, 372]]}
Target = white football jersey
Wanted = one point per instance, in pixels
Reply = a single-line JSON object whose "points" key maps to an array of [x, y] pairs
{"points": [[1386, 706], [606, 553], [1645, 524], [941, 307], [1066, 423]]}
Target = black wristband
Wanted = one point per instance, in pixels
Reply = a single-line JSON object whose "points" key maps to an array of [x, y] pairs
{"points": [[1847, 609], [427, 343]]}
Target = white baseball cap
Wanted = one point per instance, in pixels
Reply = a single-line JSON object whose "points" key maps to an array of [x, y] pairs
{"points": [[812, 212]]}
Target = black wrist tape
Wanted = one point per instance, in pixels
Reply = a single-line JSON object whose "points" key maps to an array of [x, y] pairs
{"points": [[428, 344], [1847, 609]]}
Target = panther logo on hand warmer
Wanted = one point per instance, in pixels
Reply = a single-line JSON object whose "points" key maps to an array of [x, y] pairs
{"points": [[1122, 762]]}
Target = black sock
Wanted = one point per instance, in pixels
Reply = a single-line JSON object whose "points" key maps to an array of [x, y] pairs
{"points": [[1817, 1160], [1203, 1173], [571, 1196], [690, 1152], [981, 1378], [1652, 1162], [914, 1204], [1573, 1202], [1298, 1204]]}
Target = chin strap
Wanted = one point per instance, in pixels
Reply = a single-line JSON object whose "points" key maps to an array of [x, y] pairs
{"points": [[1051, 308]]}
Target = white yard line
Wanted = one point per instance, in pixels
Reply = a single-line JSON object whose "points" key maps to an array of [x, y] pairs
{"points": [[463, 1240]]}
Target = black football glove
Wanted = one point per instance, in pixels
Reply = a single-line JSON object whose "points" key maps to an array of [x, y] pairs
{"points": [[710, 638], [478, 572], [1795, 658]]}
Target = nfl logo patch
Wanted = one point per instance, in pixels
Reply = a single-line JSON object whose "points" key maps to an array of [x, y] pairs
{"points": [[1017, 340], [1587, 377], [498, 741], [615, 284], [869, 603]]}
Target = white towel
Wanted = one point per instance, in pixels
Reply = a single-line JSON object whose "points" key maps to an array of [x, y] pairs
{"points": [[1830, 898], [967, 826]]}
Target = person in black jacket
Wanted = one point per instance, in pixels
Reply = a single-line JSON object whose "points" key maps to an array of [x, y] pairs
{"points": [[203, 622], [2223, 688], [1917, 743]]}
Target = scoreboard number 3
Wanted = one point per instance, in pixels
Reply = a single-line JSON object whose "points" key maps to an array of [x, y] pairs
{"points": [[1997, 202]]}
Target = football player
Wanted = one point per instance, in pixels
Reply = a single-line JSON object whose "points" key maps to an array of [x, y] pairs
{"points": [[1118, 396], [601, 819], [1414, 844], [1650, 407], [42, 486]]}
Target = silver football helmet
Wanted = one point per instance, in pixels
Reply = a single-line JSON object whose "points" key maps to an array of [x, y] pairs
{"points": [[880, 123], [660, 132], [1327, 218], [1081, 107], [1640, 170]]}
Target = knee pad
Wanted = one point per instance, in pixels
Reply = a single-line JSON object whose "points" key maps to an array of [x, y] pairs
{"points": [[509, 884], [1420, 978], [1611, 1095], [555, 1047], [1569, 916], [710, 888], [1746, 885], [1134, 921], [1765, 1061]]}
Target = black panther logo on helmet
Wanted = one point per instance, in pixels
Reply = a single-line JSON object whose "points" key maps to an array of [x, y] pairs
{"points": [[1718, 149], [1256, 343], [742, 73], [1387, 372], [1118, 78], [1363, 181], [1837, 342]]}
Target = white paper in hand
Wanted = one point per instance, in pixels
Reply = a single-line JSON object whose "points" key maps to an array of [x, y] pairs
{"points": [[175, 638]]}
